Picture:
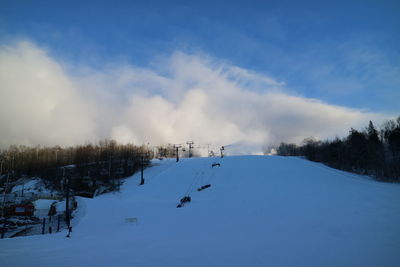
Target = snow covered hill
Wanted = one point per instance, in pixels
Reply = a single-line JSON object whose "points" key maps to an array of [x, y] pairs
{"points": [[259, 211]]}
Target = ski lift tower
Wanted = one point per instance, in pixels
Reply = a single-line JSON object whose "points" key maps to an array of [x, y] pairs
{"points": [[190, 143], [176, 147], [142, 170]]}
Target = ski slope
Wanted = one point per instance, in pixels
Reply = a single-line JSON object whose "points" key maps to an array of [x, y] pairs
{"points": [[259, 211]]}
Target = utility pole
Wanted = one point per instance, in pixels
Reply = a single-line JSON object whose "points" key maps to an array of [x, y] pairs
{"points": [[222, 153], [190, 143], [177, 151]]}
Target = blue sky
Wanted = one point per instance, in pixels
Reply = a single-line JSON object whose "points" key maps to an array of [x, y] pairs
{"points": [[337, 61], [342, 52]]}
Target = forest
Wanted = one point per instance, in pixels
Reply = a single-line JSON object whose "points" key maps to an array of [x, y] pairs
{"points": [[371, 151], [85, 167]]}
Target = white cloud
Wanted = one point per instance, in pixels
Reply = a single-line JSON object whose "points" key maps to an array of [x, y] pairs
{"points": [[39, 103], [184, 97]]}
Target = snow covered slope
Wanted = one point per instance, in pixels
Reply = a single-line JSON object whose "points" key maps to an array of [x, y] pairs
{"points": [[259, 211]]}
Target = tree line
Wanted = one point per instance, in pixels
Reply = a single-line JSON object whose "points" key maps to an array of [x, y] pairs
{"points": [[87, 167], [371, 151]]}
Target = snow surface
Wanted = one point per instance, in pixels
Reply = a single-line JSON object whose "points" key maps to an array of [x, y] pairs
{"points": [[43, 203], [33, 185], [42, 207], [259, 211], [27, 186]]}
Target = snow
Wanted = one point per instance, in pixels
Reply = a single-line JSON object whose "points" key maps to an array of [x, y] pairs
{"points": [[28, 186], [60, 206], [33, 185], [43, 203], [259, 211]]}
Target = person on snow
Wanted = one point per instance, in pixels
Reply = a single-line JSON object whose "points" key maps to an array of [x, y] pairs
{"points": [[184, 200]]}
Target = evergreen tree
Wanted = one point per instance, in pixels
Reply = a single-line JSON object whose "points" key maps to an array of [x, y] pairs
{"points": [[357, 149], [375, 151]]}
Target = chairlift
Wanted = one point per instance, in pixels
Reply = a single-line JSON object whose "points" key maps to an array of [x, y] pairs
{"points": [[203, 187]]}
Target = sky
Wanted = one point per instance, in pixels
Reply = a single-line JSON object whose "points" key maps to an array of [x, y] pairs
{"points": [[222, 72]]}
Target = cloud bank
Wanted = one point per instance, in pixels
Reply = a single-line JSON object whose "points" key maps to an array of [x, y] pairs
{"points": [[179, 98]]}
